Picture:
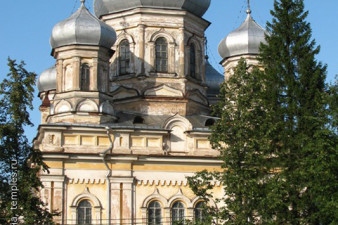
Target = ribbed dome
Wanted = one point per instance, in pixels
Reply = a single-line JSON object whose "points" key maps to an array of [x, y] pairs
{"points": [[244, 40], [213, 79], [197, 7], [47, 80], [82, 28]]}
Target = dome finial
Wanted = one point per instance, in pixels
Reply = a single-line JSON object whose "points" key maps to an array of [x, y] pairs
{"points": [[248, 11], [83, 2]]}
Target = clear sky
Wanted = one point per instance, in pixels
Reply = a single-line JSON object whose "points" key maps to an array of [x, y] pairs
{"points": [[25, 28]]}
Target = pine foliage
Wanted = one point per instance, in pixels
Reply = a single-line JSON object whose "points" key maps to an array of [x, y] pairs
{"points": [[277, 132], [19, 163]]}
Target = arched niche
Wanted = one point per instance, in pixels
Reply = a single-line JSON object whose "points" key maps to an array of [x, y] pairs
{"points": [[62, 107], [178, 126], [107, 108], [68, 78], [87, 106], [199, 59]]}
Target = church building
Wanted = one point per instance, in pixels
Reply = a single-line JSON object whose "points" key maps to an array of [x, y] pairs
{"points": [[125, 110]]}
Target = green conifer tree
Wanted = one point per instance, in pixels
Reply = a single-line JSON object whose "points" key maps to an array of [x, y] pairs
{"points": [[20, 164], [276, 132], [305, 146]]}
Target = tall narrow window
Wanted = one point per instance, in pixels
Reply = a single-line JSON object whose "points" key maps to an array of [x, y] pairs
{"points": [[200, 213], [84, 213], [177, 213], [161, 55], [154, 213], [124, 57], [192, 61], [85, 76]]}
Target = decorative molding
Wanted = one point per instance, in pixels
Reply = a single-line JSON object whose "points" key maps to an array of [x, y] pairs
{"points": [[124, 36], [155, 196], [197, 96], [177, 120], [193, 40], [63, 106], [86, 195], [179, 196], [162, 33], [211, 202], [163, 90], [86, 181], [121, 92], [107, 107], [172, 183], [87, 105]]}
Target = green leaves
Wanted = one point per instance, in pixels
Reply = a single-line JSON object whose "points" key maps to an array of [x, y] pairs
{"points": [[277, 131], [20, 163]]}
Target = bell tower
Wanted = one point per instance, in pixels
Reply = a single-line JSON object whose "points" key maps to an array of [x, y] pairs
{"points": [[81, 46]]}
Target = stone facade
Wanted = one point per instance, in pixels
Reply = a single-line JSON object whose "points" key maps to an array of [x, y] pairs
{"points": [[126, 140]]}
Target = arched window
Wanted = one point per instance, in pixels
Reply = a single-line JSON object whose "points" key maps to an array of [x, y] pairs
{"points": [[161, 55], [84, 213], [85, 76], [192, 61], [154, 213], [177, 212], [124, 57], [200, 213]]}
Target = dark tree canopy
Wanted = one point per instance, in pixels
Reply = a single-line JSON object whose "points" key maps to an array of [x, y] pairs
{"points": [[19, 163], [277, 131]]}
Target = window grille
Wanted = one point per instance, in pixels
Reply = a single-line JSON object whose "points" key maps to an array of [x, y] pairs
{"points": [[124, 57], [85, 77], [84, 213], [177, 213], [192, 61], [154, 213], [161, 55]]}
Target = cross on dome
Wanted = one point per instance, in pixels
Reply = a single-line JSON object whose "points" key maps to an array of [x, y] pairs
{"points": [[248, 11]]}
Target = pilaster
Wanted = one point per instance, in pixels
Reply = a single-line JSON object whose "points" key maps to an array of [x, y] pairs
{"points": [[54, 195], [76, 73], [122, 200]]}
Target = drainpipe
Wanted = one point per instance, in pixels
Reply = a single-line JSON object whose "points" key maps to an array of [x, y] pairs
{"points": [[103, 155]]}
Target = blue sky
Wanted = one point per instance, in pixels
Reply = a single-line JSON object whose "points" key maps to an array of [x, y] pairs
{"points": [[25, 28]]}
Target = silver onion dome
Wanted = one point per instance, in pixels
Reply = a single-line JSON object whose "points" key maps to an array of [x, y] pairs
{"points": [[244, 40], [197, 7], [82, 28], [213, 79], [47, 80]]}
